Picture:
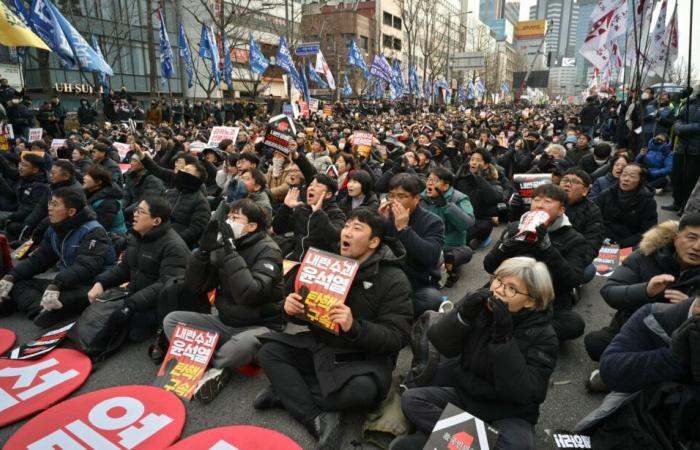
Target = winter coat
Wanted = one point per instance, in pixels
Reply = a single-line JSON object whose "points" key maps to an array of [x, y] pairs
{"points": [[626, 218], [586, 218], [86, 114], [640, 356], [82, 166], [29, 192], [626, 289], [147, 264], [382, 311], [688, 132], [602, 184], [262, 199], [498, 380], [106, 203], [112, 167], [368, 201], [41, 209], [154, 116], [660, 117], [423, 239], [190, 213], [484, 193], [320, 229], [589, 115], [565, 258], [248, 281], [588, 163], [93, 255], [139, 186], [321, 161], [457, 215], [658, 160]]}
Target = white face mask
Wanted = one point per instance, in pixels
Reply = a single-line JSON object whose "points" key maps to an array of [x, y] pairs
{"points": [[341, 145], [277, 165], [646, 96], [237, 228]]}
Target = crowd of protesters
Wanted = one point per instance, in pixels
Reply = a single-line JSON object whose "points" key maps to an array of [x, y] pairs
{"points": [[412, 209]]}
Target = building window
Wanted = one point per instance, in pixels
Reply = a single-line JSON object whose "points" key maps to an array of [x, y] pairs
{"points": [[397, 23], [364, 43], [330, 41], [397, 44], [347, 38], [388, 19], [387, 41]]}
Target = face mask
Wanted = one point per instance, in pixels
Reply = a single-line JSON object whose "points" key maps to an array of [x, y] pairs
{"points": [[600, 162], [237, 228], [277, 165], [645, 96], [186, 181]]}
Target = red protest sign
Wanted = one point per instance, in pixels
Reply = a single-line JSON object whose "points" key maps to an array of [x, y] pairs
{"points": [[324, 279], [118, 418], [188, 356], [527, 182], [7, 339], [41, 345], [304, 109], [328, 110], [30, 386], [610, 257], [240, 437], [122, 149]]}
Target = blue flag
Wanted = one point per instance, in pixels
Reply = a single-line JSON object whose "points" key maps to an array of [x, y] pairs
{"points": [[209, 50], [304, 85], [44, 24], [104, 81], [461, 94], [426, 89], [505, 88], [228, 65], [258, 62], [18, 8], [480, 88], [313, 75], [166, 52], [470, 90], [284, 61], [185, 55], [355, 59], [413, 86], [381, 68], [396, 87], [86, 58], [347, 90]]}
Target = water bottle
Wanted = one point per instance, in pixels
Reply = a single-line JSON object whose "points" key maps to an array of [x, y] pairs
{"points": [[446, 305]]}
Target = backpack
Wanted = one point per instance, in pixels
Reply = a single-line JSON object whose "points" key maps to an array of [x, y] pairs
{"points": [[95, 333], [426, 358]]}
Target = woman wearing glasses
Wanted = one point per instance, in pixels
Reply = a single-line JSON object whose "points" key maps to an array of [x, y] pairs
{"points": [[505, 350]]}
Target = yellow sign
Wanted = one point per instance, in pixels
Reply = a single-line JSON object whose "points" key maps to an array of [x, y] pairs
{"points": [[14, 33], [531, 29]]}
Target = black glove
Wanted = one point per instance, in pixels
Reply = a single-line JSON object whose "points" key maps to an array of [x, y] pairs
{"points": [[543, 241], [209, 241], [508, 244], [470, 306], [680, 339], [228, 237], [502, 325]]}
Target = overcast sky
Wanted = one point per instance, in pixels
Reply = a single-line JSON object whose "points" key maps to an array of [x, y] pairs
{"points": [[683, 27]]}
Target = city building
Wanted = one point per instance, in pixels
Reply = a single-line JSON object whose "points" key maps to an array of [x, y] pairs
{"points": [[512, 11], [563, 21]]}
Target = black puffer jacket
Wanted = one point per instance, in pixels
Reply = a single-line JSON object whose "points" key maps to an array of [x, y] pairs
{"points": [[586, 218], [320, 229], [626, 289], [112, 167], [499, 380], [90, 257], [370, 201], [627, 216], [248, 281], [191, 213], [139, 186], [41, 209], [484, 194], [382, 315], [149, 262], [106, 203], [29, 192], [688, 132]]}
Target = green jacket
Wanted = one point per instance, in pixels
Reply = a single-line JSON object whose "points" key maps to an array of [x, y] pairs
{"points": [[457, 215]]}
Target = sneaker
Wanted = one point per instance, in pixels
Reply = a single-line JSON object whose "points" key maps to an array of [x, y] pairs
{"points": [[671, 207], [211, 384], [595, 383], [474, 244]]}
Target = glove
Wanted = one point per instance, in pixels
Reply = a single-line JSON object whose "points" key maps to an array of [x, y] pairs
{"points": [[543, 242], [680, 339], [121, 316], [502, 325], [228, 237], [508, 244], [470, 306], [49, 301], [209, 241], [6, 286]]}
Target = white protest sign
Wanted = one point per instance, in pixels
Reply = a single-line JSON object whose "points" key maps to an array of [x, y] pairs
{"points": [[35, 134], [218, 134]]}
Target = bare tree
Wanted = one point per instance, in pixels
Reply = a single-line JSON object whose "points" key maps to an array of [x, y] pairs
{"points": [[431, 40], [678, 72], [412, 23]]}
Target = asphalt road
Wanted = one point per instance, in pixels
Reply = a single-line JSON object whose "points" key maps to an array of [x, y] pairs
{"points": [[567, 400]]}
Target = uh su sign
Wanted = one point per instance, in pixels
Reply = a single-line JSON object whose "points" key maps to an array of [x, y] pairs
{"points": [[76, 88]]}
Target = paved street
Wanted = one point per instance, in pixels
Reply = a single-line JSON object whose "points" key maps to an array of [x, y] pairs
{"points": [[567, 400]]}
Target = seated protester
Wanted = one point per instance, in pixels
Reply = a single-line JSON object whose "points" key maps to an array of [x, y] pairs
{"points": [[81, 160], [594, 161], [164, 173], [154, 254], [29, 191], [455, 211], [399, 163], [619, 161], [316, 375], [316, 223], [553, 155], [345, 165], [422, 234], [100, 155], [62, 175], [505, 351], [247, 161], [246, 271], [665, 268], [319, 157], [579, 150], [628, 209], [232, 188], [104, 199], [360, 192], [139, 184], [255, 183], [584, 215], [658, 160], [559, 246], [190, 208], [281, 174], [78, 244], [479, 180]]}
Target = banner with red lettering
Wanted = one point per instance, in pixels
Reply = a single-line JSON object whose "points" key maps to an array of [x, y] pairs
{"points": [[187, 359], [323, 280], [527, 182], [42, 344], [610, 257], [218, 134]]}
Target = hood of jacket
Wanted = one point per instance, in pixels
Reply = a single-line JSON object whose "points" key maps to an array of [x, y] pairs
{"points": [[391, 252], [658, 237], [107, 192]]}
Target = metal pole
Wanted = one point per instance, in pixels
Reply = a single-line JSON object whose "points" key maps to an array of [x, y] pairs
{"points": [[663, 76]]}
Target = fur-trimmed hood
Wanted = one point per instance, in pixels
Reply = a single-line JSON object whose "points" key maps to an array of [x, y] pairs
{"points": [[658, 237]]}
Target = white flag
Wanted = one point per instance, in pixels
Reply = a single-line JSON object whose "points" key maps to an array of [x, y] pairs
{"points": [[672, 37], [609, 22], [657, 52], [322, 67]]}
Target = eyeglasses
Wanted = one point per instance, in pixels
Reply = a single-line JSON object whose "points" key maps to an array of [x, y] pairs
{"points": [[400, 197], [140, 211], [508, 290], [432, 180], [573, 181]]}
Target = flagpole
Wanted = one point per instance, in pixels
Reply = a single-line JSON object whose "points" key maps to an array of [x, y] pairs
{"points": [[690, 55], [663, 76]]}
